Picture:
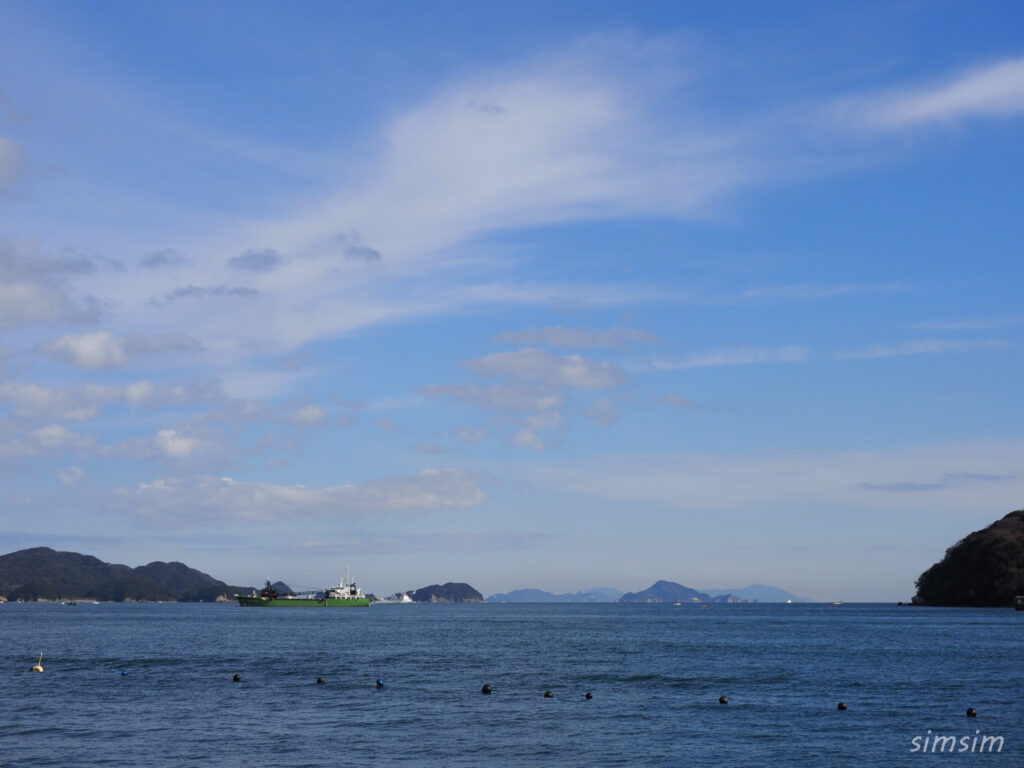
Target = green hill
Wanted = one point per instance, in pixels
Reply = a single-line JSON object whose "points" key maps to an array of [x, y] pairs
{"points": [[985, 568], [42, 573], [452, 592]]}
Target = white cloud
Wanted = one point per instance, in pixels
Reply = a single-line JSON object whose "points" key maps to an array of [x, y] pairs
{"points": [[102, 350], [99, 349], [34, 401], [34, 290], [729, 356], [499, 397], [557, 336], [387, 424], [577, 137], [309, 416], [175, 445], [603, 411], [207, 498], [48, 440], [70, 475], [527, 438], [572, 371], [922, 347], [469, 434], [992, 91]]}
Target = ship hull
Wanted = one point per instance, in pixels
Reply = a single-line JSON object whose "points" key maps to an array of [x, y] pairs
{"points": [[254, 601]]}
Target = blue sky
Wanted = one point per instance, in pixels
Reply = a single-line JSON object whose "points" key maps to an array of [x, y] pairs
{"points": [[519, 295]]}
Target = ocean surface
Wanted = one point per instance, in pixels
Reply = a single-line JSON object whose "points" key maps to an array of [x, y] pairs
{"points": [[656, 673]]}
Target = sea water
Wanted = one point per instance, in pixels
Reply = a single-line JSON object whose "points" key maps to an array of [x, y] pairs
{"points": [[656, 673]]}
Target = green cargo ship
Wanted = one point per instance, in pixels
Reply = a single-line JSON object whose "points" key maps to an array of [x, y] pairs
{"points": [[344, 595]]}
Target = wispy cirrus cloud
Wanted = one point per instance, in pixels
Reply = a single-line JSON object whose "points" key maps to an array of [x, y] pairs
{"points": [[189, 501], [922, 347], [557, 336], [726, 356], [956, 477], [949, 480], [814, 291], [994, 90], [971, 324]]}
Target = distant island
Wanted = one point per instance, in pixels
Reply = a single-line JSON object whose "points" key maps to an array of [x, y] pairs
{"points": [[42, 573], [666, 592], [761, 593], [659, 592], [985, 568], [452, 592], [592, 595]]}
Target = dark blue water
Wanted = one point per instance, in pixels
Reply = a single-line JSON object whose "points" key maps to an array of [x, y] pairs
{"points": [[656, 672]]}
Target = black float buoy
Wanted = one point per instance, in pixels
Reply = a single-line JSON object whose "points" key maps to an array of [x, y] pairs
{"points": [[972, 712], [842, 706], [124, 673], [548, 695], [589, 695], [722, 700], [380, 683], [486, 689], [236, 679], [319, 681]]}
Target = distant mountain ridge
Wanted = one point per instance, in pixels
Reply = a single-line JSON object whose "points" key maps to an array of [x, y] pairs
{"points": [[592, 595], [754, 593], [42, 573]]}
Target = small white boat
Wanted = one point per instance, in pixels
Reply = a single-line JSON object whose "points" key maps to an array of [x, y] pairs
{"points": [[399, 598]]}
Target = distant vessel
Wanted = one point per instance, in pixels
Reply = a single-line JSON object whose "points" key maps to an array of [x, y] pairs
{"points": [[1018, 603], [344, 595], [399, 598], [836, 603]]}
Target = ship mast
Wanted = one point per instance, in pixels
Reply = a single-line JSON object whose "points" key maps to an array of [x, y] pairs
{"points": [[347, 579]]}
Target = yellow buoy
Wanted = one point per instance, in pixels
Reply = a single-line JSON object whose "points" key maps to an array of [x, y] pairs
{"points": [[39, 666]]}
